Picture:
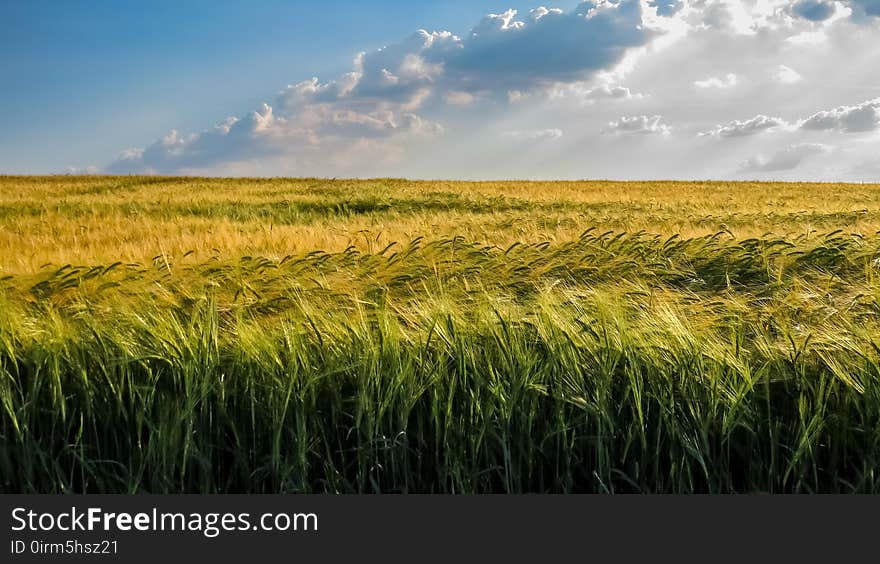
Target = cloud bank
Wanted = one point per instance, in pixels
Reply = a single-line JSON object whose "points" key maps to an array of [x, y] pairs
{"points": [[638, 124], [612, 89]]}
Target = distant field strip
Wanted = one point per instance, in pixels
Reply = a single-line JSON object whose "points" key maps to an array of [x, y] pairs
{"points": [[220, 335], [91, 220]]}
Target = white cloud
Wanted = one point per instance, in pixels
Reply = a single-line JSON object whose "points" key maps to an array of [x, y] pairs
{"points": [[384, 93], [727, 81], [481, 97], [605, 92], [808, 38], [849, 119], [862, 117], [550, 46], [740, 17], [638, 124], [263, 135], [757, 124], [585, 92], [231, 139]]}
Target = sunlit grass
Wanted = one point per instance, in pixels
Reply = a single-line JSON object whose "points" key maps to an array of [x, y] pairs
{"points": [[91, 220], [194, 335]]}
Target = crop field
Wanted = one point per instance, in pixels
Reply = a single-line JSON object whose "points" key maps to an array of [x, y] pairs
{"points": [[306, 335]]}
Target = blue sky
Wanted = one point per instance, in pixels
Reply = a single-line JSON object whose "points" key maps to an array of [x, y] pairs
{"points": [[619, 89], [81, 80]]}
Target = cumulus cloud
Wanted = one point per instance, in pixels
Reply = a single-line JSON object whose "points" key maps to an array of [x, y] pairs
{"points": [[436, 103], [727, 81], [638, 124], [545, 47], [384, 95], [583, 92], [785, 159], [608, 93], [400, 71], [734, 16], [232, 139], [263, 135], [849, 119], [737, 128]]}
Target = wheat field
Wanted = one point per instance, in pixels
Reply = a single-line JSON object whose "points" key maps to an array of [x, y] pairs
{"points": [[308, 335]]}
